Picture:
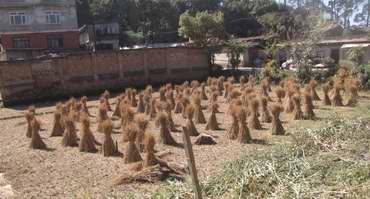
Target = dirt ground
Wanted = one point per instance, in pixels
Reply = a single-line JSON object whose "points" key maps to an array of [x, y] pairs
{"points": [[67, 173]]}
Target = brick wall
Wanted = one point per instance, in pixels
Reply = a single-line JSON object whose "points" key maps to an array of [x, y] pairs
{"points": [[39, 40], [88, 72]]}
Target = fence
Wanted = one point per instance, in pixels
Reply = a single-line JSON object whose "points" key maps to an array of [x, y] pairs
{"points": [[22, 81]]}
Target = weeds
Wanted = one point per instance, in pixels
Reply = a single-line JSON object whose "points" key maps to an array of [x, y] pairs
{"points": [[330, 162]]}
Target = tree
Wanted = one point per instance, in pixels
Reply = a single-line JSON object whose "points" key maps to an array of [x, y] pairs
{"points": [[342, 10], [303, 52], [202, 27], [83, 12], [364, 15], [356, 55], [234, 50], [287, 25]]}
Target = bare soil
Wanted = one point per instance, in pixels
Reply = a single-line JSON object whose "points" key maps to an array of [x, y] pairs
{"points": [[67, 173]]}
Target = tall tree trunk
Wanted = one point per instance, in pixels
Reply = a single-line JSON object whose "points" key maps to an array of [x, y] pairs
{"points": [[368, 13]]}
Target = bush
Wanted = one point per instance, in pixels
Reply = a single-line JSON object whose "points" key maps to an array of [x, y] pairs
{"points": [[364, 75], [134, 38], [274, 73]]}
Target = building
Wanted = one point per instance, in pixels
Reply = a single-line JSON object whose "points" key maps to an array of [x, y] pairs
{"points": [[38, 24], [334, 48], [103, 36], [363, 47]]}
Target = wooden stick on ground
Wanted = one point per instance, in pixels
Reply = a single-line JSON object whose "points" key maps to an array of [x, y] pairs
{"points": [[191, 163]]}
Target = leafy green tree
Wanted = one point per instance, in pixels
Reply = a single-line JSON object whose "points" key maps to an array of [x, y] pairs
{"points": [[287, 25], [234, 50], [304, 51], [202, 27]]}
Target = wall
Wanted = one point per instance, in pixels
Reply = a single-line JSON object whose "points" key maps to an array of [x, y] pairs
{"points": [[35, 10], [40, 40], [22, 81]]}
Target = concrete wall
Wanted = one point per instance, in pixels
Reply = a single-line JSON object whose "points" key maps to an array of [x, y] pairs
{"points": [[81, 73], [36, 16]]}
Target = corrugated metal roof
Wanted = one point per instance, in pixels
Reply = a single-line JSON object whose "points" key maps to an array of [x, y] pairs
{"points": [[355, 45], [345, 40]]}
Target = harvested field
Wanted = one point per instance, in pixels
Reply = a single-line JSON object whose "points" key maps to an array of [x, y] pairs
{"points": [[63, 172]]}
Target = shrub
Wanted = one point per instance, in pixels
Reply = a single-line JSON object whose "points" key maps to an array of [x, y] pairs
{"points": [[273, 72]]}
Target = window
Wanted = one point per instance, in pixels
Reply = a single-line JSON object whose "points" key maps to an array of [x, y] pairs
{"points": [[53, 17], [18, 18], [21, 42], [55, 42]]}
